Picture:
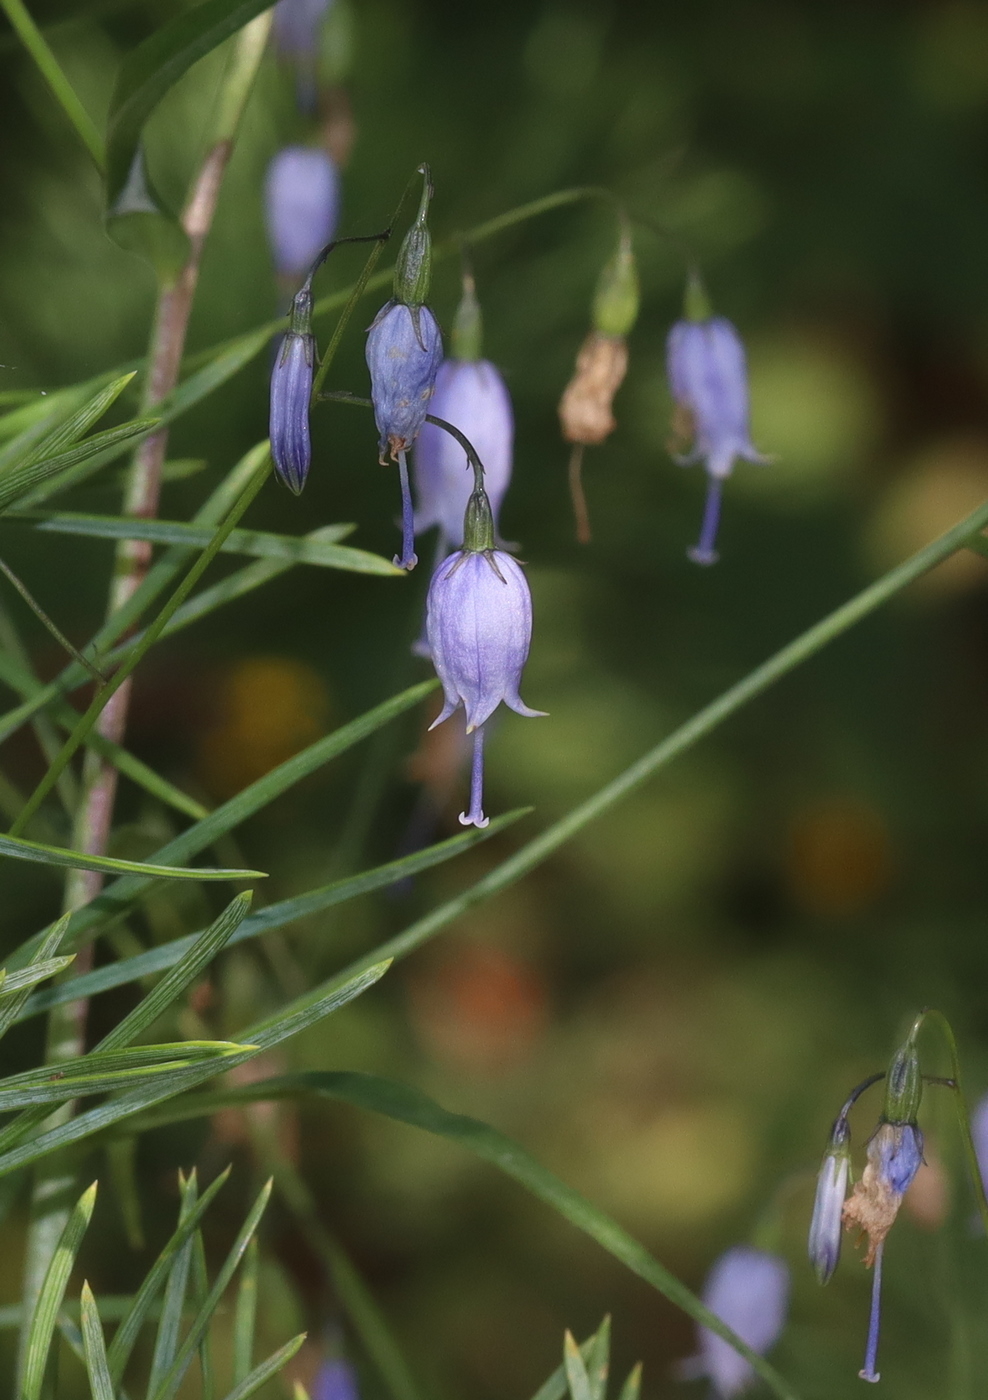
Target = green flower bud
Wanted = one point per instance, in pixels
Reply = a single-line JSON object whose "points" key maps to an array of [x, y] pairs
{"points": [[468, 324], [615, 303], [413, 268], [903, 1086]]}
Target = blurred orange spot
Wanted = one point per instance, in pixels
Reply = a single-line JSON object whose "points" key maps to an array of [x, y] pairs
{"points": [[840, 856], [947, 482], [267, 709], [480, 1008]]}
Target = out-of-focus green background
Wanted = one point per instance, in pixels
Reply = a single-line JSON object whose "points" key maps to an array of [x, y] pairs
{"points": [[670, 1012]]}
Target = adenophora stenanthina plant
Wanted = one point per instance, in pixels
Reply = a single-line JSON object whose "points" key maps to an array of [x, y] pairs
{"points": [[747, 1288], [291, 390], [471, 394], [585, 409], [479, 629], [404, 351], [301, 206], [708, 377]]}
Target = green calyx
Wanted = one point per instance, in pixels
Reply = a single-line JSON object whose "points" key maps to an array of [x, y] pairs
{"points": [[300, 316], [468, 324], [615, 303], [413, 268], [903, 1086], [696, 303], [478, 524]]}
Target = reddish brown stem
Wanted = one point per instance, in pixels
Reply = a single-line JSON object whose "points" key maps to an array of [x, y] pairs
{"points": [[580, 512]]}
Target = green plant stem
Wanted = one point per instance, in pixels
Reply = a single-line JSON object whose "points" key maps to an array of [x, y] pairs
{"points": [[679, 742], [37, 46], [54, 1183], [963, 1117]]}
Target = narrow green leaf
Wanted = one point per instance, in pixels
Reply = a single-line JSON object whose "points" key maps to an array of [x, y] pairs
{"points": [[50, 1298], [200, 1293], [47, 1086], [154, 66], [274, 916], [69, 431], [121, 1155], [555, 1387], [49, 943], [126, 1335], [19, 849], [16, 484], [100, 1383], [599, 1361], [187, 970], [576, 1371], [166, 1388], [263, 1036], [291, 549], [23, 429], [409, 1105], [245, 1317], [170, 1323], [28, 976], [631, 1390], [263, 1373]]}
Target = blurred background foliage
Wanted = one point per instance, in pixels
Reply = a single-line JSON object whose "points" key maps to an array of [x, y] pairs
{"points": [[670, 1012]]}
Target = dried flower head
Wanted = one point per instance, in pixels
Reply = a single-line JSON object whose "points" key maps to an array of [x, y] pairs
{"points": [[585, 407]]}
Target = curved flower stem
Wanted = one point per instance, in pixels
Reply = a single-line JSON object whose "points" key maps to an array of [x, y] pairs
{"points": [[54, 1182], [868, 1372], [703, 551], [408, 558], [581, 514], [475, 816], [963, 1117]]}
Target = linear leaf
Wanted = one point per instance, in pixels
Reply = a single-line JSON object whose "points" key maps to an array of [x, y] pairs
{"points": [[409, 1105], [140, 1309], [166, 1388], [26, 427], [274, 916], [555, 1387], [576, 1372], [245, 1317], [12, 1006], [599, 1361], [262, 1373], [292, 549], [632, 1386], [193, 963], [154, 66], [19, 849], [50, 1298], [263, 1036], [17, 483], [170, 1322], [45, 1086], [70, 430], [95, 1347], [28, 976], [200, 1292]]}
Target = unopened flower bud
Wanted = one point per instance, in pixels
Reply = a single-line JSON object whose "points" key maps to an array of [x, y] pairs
{"points": [[749, 1290], [615, 303], [709, 381], [831, 1189], [413, 266], [291, 389], [302, 203]]}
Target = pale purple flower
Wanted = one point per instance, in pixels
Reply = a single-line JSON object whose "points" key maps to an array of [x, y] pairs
{"points": [[301, 205], [296, 34], [479, 626], [472, 396], [827, 1224], [335, 1380], [404, 351], [291, 387], [749, 1290], [979, 1132], [709, 379]]}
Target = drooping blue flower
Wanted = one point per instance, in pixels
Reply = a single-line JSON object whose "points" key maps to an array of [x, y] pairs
{"points": [[748, 1289], [291, 389], [404, 352], [471, 395], [335, 1380], [709, 380], [301, 205], [831, 1189], [479, 627], [296, 29]]}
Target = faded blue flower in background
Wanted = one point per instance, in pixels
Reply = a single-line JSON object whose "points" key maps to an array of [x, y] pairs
{"points": [[296, 32], [291, 389], [831, 1188], [301, 206], [979, 1132], [748, 1289], [471, 395], [709, 380], [335, 1380]]}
